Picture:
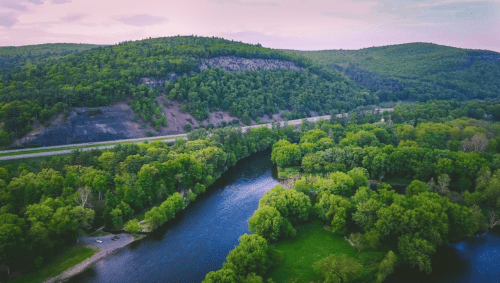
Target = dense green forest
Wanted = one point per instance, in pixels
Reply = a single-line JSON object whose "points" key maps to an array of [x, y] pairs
{"points": [[12, 58], [417, 71], [53, 78], [35, 92], [451, 169]]}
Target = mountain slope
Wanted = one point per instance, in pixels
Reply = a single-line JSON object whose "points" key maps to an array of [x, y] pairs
{"points": [[175, 65], [417, 71], [13, 57]]}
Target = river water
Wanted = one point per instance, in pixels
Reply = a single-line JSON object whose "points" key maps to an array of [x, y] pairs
{"points": [[198, 240]]}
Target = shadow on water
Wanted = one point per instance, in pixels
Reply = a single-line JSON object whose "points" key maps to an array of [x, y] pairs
{"points": [[199, 238], [471, 260]]}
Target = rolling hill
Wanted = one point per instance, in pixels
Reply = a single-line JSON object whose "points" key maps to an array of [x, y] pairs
{"points": [[203, 77], [198, 72], [417, 71]]}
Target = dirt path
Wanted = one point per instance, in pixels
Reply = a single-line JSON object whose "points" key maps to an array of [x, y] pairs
{"points": [[105, 248]]}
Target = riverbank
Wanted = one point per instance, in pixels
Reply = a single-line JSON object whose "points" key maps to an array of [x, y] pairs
{"points": [[106, 248]]}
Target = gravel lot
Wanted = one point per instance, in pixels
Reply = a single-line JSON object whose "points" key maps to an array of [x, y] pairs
{"points": [[105, 248]]}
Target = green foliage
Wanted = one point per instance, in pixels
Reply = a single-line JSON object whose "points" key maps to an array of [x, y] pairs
{"points": [[416, 187], [291, 204], [338, 268], [286, 155], [266, 222], [416, 71], [133, 226], [387, 266], [224, 275], [251, 256]]}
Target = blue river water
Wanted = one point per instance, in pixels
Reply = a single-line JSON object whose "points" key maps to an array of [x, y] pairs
{"points": [[198, 240]]}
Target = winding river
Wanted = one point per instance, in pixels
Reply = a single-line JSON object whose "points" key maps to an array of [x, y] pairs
{"points": [[200, 237]]}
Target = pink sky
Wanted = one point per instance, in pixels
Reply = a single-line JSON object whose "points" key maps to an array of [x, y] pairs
{"points": [[291, 24]]}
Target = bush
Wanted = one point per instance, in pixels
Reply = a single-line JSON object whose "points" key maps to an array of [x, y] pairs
{"points": [[133, 226], [188, 128]]}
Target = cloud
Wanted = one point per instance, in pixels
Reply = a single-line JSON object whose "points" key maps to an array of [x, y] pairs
{"points": [[8, 20], [250, 3], [13, 4], [36, 2], [142, 20], [60, 1], [72, 18]]}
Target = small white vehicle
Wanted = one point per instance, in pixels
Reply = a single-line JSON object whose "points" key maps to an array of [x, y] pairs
{"points": [[99, 241]]}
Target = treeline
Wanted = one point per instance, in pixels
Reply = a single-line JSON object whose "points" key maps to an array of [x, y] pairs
{"points": [[12, 58], [43, 212], [445, 110]]}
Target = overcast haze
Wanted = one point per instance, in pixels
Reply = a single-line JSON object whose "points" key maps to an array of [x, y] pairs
{"points": [[291, 24]]}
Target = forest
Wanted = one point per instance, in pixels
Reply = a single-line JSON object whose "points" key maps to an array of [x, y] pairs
{"points": [[39, 89], [417, 71], [49, 80], [335, 175]]}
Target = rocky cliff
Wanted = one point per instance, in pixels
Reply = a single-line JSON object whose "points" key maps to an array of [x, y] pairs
{"points": [[235, 64]]}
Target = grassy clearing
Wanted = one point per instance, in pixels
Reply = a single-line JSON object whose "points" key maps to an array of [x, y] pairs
{"points": [[313, 243], [60, 263]]}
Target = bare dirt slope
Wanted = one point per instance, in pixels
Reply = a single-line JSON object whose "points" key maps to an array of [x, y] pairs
{"points": [[176, 119]]}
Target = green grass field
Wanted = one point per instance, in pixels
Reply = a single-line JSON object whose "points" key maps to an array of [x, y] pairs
{"points": [[313, 243], [68, 258]]}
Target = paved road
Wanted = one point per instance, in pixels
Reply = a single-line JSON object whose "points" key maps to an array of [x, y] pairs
{"points": [[169, 138]]}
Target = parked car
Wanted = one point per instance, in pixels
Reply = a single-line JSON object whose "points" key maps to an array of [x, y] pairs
{"points": [[99, 241], [116, 238]]}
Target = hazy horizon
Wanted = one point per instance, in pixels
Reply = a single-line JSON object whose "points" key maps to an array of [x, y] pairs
{"points": [[292, 24]]}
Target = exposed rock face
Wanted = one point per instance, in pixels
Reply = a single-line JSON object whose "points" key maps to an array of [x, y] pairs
{"points": [[158, 82], [114, 123], [230, 64], [235, 64]]}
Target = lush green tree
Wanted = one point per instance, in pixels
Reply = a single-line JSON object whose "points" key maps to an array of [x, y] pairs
{"points": [[386, 267], [250, 256], [287, 155], [338, 268], [291, 204], [416, 187], [266, 222]]}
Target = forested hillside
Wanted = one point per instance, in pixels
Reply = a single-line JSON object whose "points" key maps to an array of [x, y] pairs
{"points": [[106, 74], [417, 71], [13, 57]]}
